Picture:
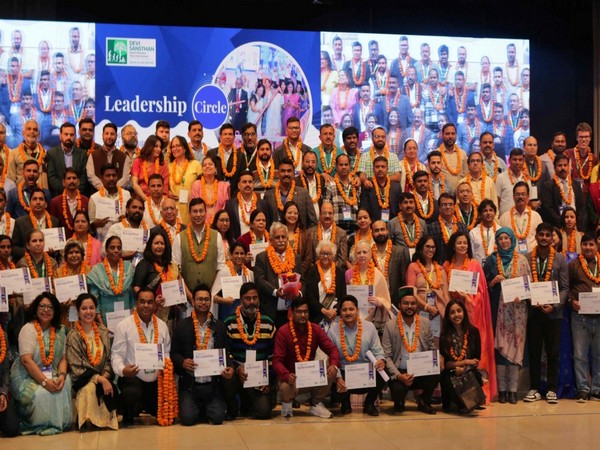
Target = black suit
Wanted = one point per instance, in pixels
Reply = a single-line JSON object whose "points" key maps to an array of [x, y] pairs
{"points": [[267, 282], [241, 166], [55, 160], [312, 291], [551, 200], [368, 200], [23, 226], [232, 208], [307, 215], [238, 113]]}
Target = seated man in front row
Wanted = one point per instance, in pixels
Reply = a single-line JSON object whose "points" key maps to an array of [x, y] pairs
{"points": [[297, 341], [408, 333]]}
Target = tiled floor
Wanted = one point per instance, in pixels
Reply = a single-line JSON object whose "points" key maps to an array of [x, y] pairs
{"points": [[567, 425]]}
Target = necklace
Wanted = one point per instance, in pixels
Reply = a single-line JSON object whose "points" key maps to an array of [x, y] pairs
{"points": [[513, 225], [244, 212], [47, 264], [388, 255], [226, 173], [117, 290], [271, 177], [410, 243], [534, 266], [358, 342], [445, 233], [415, 344], [327, 169], [46, 360], [200, 345], [141, 333], [278, 194], [463, 351], [65, 209], [384, 203], [299, 357], [278, 266], [304, 182], [95, 358], [586, 269], [452, 171], [350, 200], [331, 289], [191, 244], [438, 274], [240, 327]]}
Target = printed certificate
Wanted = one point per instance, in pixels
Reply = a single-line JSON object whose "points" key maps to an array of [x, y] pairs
{"points": [[173, 292], [464, 281], [423, 363], [258, 374], [311, 373], [209, 362], [358, 376], [149, 356], [69, 288]]}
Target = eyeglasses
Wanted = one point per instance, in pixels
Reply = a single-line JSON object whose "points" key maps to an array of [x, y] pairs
{"points": [[429, 247], [46, 307], [202, 300], [223, 219], [247, 135]]}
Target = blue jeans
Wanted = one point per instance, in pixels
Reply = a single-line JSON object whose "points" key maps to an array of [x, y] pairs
{"points": [[586, 337]]}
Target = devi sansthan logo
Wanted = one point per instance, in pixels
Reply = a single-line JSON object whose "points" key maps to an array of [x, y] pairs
{"points": [[116, 51]]}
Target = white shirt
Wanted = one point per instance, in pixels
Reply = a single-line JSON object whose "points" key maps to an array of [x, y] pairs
{"points": [[156, 209], [521, 221], [477, 242], [504, 188], [123, 347], [176, 258], [11, 223], [101, 232]]}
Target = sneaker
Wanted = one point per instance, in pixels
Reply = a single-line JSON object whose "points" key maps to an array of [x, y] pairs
{"points": [[583, 397], [319, 410], [532, 396], [551, 397], [595, 396], [286, 410]]}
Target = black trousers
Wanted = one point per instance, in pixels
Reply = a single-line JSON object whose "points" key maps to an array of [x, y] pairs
{"points": [[10, 424], [543, 331], [372, 393], [428, 384], [257, 403], [138, 396], [201, 400]]}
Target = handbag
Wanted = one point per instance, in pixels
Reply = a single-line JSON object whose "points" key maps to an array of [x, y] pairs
{"points": [[468, 390]]}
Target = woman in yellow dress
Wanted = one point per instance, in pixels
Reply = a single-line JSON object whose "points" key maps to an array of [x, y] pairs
{"points": [[184, 169]]}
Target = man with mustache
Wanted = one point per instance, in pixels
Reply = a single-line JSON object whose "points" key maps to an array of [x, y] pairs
{"points": [[19, 198], [64, 206], [64, 156], [134, 214]]}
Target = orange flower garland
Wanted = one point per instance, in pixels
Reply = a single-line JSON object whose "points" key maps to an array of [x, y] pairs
{"points": [[32, 269], [286, 145], [483, 238], [246, 219], [388, 255], [316, 198], [299, 357], [11, 265], [151, 212], [226, 173], [571, 242], [445, 234], [430, 206], [514, 226], [351, 200], [290, 195], [102, 193], [2, 346], [94, 359], [46, 361], [320, 232], [83, 269], [164, 275], [370, 277], [126, 224], [269, 183], [41, 153], [513, 262], [356, 164], [459, 216], [240, 327], [586, 269], [327, 169], [34, 221], [6, 162], [278, 266], [386, 153], [7, 221], [494, 176], [199, 344], [534, 269], [356, 353], [331, 289], [165, 227], [569, 200], [410, 348], [141, 334], [451, 266], [232, 270], [215, 192], [407, 241], [65, 209], [538, 170], [456, 171], [463, 351], [584, 176], [175, 178], [384, 204], [481, 188], [253, 237], [145, 169], [117, 290], [24, 204], [438, 274], [168, 408], [195, 256]]}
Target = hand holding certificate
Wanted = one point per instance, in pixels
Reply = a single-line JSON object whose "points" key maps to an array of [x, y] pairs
{"points": [[464, 281], [257, 372], [209, 362], [54, 239], [423, 363], [69, 288], [15, 281], [589, 302], [134, 239], [544, 293], [173, 292], [359, 376], [311, 373], [149, 356], [516, 288], [231, 286]]}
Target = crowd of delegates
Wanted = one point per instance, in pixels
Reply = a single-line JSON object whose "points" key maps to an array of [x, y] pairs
{"points": [[415, 96], [288, 255], [51, 85]]}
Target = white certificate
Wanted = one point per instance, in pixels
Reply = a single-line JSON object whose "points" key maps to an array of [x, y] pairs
{"points": [[255, 249], [362, 294], [382, 373], [209, 362], [107, 208], [589, 302], [258, 374], [184, 195], [54, 238], [3, 300], [423, 363], [173, 292], [544, 293], [231, 286], [516, 287], [464, 281], [114, 318], [311, 373], [134, 239], [358, 376], [16, 281], [69, 288], [37, 286], [149, 356]]}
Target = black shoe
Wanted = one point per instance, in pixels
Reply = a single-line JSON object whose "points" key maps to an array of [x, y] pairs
{"points": [[370, 410], [426, 408], [127, 422], [512, 398], [345, 407], [295, 404], [480, 408], [230, 416], [436, 400], [398, 408], [502, 397]]}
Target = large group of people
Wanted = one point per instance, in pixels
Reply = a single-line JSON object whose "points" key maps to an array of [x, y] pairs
{"points": [[208, 284]]}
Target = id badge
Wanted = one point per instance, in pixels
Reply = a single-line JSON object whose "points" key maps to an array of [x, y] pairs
{"points": [[149, 371], [385, 215], [522, 245], [47, 372], [533, 194], [183, 195], [571, 256], [411, 252], [346, 213], [431, 298]]}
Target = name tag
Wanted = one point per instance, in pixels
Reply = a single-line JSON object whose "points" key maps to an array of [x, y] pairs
{"points": [[385, 215], [47, 372], [533, 193], [184, 195], [346, 213], [522, 245], [431, 298]]}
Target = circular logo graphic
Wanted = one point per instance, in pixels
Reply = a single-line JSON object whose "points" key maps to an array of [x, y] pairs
{"points": [[209, 106]]}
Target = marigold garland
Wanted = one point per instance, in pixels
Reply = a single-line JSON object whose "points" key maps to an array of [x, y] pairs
{"points": [[514, 226], [145, 169], [278, 266], [24, 204], [327, 169], [320, 232], [571, 241], [384, 204], [2, 345], [538, 169], [481, 187], [246, 214], [33, 270], [117, 290], [351, 200], [46, 360], [410, 348], [459, 216], [6, 162], [168, 408], [304, 182], [175, 178], [388, 255], [451, 266], [534, 268], [404, 229], [569, 200], [386, 153], [286, 145], [34, 221], [7, 221], [445, 234], [356, 164], [215, 192], [483, 238], [151, 211], [463, 351], [165, 226], [102, 193], [41, 153], [299, 357], [164, 275], [370, 276], [363, 70], [331, 289], [443, 151], [93, 359], [234, 272], [226, 173], [195, 256], [11, 265], [240, 327], [358, 342], [65, 209], [438, 274], [501, 271], [583, 176], [269, 183], [430, 206], [253, 237], [83, 269], [494, 176], [290, 195], [586, 269], [199, 344]]}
